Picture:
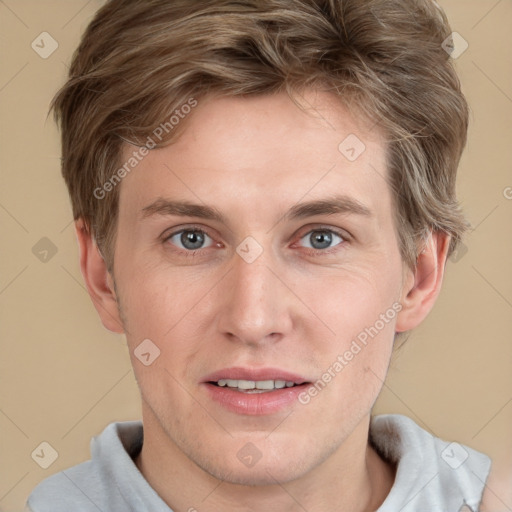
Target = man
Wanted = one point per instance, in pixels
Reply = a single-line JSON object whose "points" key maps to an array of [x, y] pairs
{"points": [[264, 197]]}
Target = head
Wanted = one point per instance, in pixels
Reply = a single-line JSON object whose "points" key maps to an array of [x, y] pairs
{"points": [[257, 185]]}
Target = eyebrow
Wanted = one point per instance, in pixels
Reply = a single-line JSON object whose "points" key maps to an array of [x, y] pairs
{"points": [[165, 207], [330, 206]]}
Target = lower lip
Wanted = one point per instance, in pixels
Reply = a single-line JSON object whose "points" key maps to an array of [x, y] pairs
{"points": [[255, 404]]}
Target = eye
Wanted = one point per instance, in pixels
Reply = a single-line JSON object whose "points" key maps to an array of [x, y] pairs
{"points": [[321, 239], [190, 239]]}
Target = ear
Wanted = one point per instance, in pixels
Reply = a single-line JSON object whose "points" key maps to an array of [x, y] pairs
{"points": [[423, 284], [98, 280]]}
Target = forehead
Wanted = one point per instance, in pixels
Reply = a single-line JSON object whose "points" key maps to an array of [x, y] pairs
{"points": [[242, 151]]}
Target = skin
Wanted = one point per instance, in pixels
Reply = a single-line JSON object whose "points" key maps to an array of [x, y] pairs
{"points": [[296, 307], [497, 495]]}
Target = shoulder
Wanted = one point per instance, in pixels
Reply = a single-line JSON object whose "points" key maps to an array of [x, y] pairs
{"points": [[77, 485], [431, 472], [93, 485]]}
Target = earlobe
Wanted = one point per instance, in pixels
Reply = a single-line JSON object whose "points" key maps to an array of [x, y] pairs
{"points": [[97, 279], [423, 284]]}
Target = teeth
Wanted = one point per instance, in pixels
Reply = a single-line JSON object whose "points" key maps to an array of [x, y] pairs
{"points": [[264, 384], [250, 385], [246, 384]]}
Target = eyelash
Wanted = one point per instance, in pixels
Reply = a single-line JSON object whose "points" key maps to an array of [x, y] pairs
{"points": [[184, 252], [310, 252], [330, 250]]}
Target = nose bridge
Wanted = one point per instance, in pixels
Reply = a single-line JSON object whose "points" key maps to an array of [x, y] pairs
{"points": [[253, 305]]}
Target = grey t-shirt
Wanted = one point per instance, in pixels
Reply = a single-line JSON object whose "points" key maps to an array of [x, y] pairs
{"points": [[432, 475]]}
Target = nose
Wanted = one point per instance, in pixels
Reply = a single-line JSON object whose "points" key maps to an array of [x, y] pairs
{"points": [[255, 307]]}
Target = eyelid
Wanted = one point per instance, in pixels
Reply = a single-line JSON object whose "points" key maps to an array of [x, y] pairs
{"points": [[305, 230], [308, 234], [175, 230], [346, 238], [170, 233]]}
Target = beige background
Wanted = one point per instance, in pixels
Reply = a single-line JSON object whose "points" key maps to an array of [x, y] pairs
{"points": [[64, 377]]}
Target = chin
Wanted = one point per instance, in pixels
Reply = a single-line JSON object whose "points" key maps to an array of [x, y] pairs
{"points": [[252, 467], [262, 476]]}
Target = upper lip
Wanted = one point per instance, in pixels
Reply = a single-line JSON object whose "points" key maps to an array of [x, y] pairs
{"points": [[255, 374]]}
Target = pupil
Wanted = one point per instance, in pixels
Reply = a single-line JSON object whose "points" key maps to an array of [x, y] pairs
{"points": [[320, 240], [192, 239]]}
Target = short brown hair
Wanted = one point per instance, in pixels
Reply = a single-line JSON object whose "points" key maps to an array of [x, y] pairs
{"points": [[140, 61]]}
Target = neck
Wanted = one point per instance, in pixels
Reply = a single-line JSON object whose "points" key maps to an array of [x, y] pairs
{"points": [[353, 478]]}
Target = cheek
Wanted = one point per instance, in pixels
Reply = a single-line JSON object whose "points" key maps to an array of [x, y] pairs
{"points": [[361, 309], [354, 300], [153, 299], [168, 309]]}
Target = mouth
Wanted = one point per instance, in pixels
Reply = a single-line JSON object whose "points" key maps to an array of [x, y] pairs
{"points": [[255, 391], [254, 386]]}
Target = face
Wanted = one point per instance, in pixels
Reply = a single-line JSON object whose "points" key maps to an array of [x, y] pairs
{"points": [[258, 254]]}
